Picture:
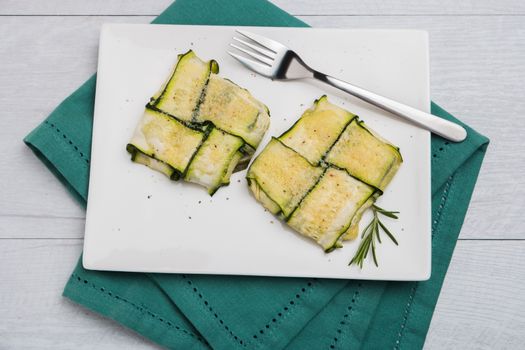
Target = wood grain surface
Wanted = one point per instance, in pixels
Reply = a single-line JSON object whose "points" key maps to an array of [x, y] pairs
{"points": [[295, 7], [47, 49]]}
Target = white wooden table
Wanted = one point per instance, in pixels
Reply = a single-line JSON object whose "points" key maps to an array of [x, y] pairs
{"points": [[49, 48]]}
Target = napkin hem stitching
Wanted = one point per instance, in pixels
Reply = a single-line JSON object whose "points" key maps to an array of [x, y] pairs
{"points": [[414, 288], [305, 290], [287, 310], [143, 310], [207, 305], [443, 149], [68, 139], [350, 309]]}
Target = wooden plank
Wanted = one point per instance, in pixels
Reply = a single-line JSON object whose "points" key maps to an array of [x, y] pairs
{"points": [[483, 298], [480, 306], [42, 60], [40, 227], [59, 53], [78, 7], [297, 7], [402, 7], [36, 316]]}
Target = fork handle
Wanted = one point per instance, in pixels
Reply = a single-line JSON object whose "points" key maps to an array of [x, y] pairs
{"points": [[444, 128]]}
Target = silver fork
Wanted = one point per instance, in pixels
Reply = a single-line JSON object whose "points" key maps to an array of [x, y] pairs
{"points": [[274, 60]]}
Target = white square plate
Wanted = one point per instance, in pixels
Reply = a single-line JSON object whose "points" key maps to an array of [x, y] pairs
{"points": [[139, 220]]}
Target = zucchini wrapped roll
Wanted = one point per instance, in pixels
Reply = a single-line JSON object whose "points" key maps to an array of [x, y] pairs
{"points": [[199, 126], [322, 174]]}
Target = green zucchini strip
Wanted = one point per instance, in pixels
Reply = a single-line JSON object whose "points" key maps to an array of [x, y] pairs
{"points": [[284, 175], [365, 156], [164, 138], [327, 211], [263, 197], [317, 130], [225, 181], [214, 159], [353, 230], [183, 91], [232, 109], [138, 157]]}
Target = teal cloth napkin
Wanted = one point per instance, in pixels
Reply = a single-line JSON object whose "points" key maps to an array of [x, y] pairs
{"points": [[235, 312]]}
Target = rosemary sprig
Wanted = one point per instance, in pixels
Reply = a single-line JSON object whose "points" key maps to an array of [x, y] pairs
{"points": [[370, 234]]}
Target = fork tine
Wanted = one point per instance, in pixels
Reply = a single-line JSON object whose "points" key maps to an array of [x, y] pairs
{"points": [[252, 64], [263, 59], [260, 49], [261, 40]]}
